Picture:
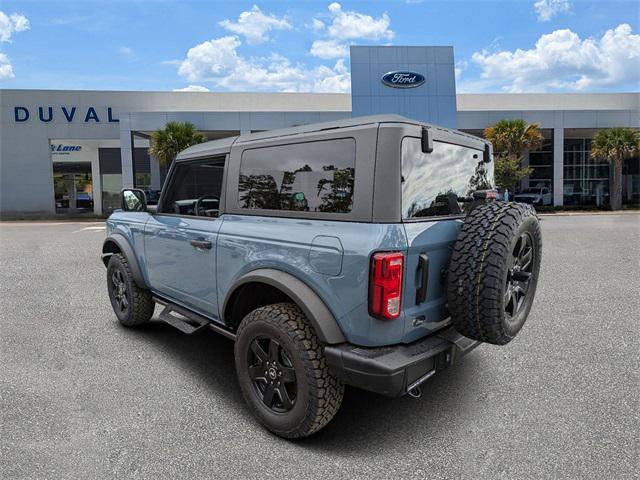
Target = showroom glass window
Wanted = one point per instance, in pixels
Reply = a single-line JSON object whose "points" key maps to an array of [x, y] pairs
{"points": [[305, 177], [195, 184], [586, 180], [432, 183], [541, 163]]}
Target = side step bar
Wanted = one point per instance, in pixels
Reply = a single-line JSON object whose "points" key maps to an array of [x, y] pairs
{"points": [[187, 321]]}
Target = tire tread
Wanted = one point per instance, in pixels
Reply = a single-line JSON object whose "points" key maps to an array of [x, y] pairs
{"points": [[141, 302], [478, 266], [326, 391]]}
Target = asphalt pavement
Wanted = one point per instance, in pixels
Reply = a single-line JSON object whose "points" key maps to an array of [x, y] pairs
{"points": [[82, 397]]}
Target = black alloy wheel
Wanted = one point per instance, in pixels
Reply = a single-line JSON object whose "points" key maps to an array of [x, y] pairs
{"points": [[119, 289], [272, 373], [283, 373], [132, 305], [519, 271]]}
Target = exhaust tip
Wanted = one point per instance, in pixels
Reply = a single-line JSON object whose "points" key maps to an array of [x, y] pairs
{"points": [[415, 392]]}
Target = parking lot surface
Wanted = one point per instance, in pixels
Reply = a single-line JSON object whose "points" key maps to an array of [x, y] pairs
{"points": [[82, 397]]}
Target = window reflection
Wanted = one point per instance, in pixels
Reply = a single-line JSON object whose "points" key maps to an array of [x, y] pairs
{"points": [[435, 184], [303, 177]]}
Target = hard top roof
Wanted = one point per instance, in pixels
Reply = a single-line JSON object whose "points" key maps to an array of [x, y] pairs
{"points": [[223, 145]]}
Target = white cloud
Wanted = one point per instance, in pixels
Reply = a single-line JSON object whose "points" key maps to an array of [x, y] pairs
{"points": [[562, 60], [192, 88], [460, 67], [6, 70], [336, 79], [10, 24], [254, 25], [126, 51], [218, 61], [329, 49], [211, 58], [547, 9], [317, 25], [346, 25]]}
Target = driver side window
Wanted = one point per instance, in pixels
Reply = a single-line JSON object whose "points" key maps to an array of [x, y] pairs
{"points": [[195, 189]]}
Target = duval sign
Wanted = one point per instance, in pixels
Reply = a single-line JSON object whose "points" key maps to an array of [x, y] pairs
{"points": [[403, 79], [66, 113]]}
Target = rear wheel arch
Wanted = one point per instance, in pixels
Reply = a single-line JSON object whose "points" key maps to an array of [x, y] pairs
{"points": [[267, 286]]}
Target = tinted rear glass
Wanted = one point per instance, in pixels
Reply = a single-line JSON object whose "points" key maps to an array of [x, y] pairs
{"points": [[432, 183], [305, 177]]}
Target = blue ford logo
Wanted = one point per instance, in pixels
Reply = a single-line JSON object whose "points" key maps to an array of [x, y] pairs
{"points": [[401, 79]]}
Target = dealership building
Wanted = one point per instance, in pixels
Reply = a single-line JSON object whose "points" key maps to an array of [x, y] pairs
{"points": [[67, 151]]}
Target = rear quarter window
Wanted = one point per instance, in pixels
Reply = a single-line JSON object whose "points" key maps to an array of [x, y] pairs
{"points": [[433, 183], [305, 177]]}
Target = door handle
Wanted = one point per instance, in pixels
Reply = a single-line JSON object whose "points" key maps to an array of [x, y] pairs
{"points": [[201, 244], [423, 268]]}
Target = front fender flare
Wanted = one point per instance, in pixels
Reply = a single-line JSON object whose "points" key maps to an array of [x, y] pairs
{"points": [[127, 250], [321, 318]]}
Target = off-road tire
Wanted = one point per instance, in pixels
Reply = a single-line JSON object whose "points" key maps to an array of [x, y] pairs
{"points": [[481, 271], [140, 303], [319, 393]]}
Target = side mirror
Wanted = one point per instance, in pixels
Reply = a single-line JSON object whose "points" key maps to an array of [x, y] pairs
{"points": [[427, 141], [133, 200]]}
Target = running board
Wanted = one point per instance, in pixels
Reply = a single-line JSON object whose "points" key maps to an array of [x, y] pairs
{"points": [[188, 325], [187, 321]]}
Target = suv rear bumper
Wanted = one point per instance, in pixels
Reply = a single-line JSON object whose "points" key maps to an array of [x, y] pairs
{"points": [[396, 369]]}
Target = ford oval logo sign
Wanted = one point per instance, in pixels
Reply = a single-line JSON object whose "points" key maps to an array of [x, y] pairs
{"points": [[402, 79]]}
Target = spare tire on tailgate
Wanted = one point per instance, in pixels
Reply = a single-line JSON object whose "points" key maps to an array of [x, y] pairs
{"points": [[493, 271]]}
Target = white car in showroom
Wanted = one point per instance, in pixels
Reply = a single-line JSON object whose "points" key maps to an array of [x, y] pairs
{"points": [[534, 196]]}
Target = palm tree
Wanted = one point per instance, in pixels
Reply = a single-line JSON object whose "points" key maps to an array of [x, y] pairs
{"points": [[615, 145], [514, 137], [172, 139], [512, 140]]}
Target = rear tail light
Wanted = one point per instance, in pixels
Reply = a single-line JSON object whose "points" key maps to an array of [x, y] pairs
{"points": [[385, 285], [485, 195], [491, 195]]}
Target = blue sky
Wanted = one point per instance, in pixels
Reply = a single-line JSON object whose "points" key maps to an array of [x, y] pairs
{"points": [[500, 46]]}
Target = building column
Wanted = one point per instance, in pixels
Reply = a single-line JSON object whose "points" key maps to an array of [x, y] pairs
{"points": [[126, 153], [558, 166], [156, 183], [96, 182], [73, 193]]}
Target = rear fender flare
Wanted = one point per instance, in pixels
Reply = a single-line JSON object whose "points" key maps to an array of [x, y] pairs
{"points": [[319, 315], [127, 250]]}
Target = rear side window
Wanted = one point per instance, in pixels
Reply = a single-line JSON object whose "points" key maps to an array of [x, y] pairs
{"points": [[434, 183], [303, 177]]}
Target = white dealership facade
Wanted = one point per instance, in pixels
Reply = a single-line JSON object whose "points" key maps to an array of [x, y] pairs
{"points": [[72, 151]]}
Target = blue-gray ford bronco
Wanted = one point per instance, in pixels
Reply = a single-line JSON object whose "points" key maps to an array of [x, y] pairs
{"points": [[369, 252]]}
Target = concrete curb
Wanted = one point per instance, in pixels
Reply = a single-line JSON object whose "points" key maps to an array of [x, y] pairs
{"points": [[569, 214]]}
